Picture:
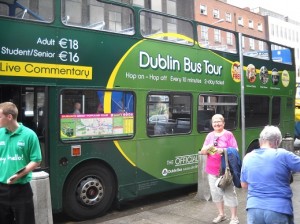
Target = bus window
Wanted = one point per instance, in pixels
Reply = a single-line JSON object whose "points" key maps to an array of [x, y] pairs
{"points": [[69, 100], [276, 105], [281, 54], [168, 114], [255, 48], [208, 105], [217, 39], [40, 10], [102, 114], [256, 111], [154, 26], [98, 16]]}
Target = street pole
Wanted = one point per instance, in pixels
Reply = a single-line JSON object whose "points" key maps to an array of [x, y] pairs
{"points": [[242, 93], [218, 21]]}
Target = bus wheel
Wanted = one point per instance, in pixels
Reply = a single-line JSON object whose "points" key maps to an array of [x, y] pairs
{"points": [[253, 145], [88, 192]]}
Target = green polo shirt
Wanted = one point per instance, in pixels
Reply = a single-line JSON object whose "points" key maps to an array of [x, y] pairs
{"points": [[17, 149]]}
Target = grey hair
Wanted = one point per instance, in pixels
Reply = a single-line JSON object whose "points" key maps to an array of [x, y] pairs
{"points": [[272, 134], [217, 116]]}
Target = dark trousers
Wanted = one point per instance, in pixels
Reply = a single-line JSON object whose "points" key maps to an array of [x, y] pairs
{"points": [[16, 204]]}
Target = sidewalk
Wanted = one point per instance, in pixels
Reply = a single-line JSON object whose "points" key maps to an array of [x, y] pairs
{"points": [[196, 211], [191, 211]]}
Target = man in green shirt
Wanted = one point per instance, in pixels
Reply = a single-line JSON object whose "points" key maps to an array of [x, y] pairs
{"points": [[20, 153]]}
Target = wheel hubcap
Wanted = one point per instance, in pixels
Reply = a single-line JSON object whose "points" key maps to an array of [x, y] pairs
{"points": [[90, 191]]}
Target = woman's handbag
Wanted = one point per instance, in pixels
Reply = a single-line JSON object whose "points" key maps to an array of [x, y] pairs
{"points": [[226, 179]]}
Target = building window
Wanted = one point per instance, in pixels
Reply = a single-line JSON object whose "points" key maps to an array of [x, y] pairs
{"points": [[243, 42], [203, 9], [156, 5], [261, 45], [217, 35], [272, 29], [114, 20], [216, 13], [251, 44], [260, 27], [228, 17], [229, 38], [204, 33], [138, 3], [276, 31], [250, 24], [171, 7], [241, 21]]}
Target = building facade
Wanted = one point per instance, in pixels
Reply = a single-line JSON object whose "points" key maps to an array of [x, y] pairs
{"points": [[283, 30], [236, 19]]}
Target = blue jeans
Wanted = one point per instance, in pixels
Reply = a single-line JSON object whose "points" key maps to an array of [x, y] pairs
{"points": [[262, 216]]}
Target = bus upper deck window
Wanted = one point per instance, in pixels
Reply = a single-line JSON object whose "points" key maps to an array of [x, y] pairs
{"points": [[38, 10], [98, 16]]}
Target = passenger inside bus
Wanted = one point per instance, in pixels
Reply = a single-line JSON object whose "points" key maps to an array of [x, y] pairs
{"points": [[77, 108], [100, 109]]}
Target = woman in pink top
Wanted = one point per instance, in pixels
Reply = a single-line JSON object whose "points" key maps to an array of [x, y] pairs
{"points": [[220, 138]]}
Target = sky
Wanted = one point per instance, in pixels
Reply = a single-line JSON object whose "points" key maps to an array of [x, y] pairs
{"points": [[286, 7]]}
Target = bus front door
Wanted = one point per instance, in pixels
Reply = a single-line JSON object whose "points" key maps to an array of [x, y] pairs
{"points": [[32, 104]]}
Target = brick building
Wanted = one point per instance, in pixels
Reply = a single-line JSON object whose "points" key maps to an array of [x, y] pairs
{"points": [[236, 19]]}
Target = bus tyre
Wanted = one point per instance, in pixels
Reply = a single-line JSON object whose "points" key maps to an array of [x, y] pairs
{"points": [[252, 146], [89, 192]]}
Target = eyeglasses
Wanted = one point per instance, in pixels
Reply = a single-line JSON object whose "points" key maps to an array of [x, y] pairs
{"points": [[216, 140]]}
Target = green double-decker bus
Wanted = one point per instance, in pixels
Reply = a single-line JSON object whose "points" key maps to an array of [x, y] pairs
{"points": [[145, 84]]}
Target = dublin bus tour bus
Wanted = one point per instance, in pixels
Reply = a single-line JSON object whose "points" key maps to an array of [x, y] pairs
{"points": [[146, 84]]}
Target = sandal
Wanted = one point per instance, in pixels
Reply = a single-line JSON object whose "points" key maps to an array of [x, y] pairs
{"points": [[234, 221], [220, 218]]}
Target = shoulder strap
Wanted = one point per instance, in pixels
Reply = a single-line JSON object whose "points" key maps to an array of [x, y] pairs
{"points": [[226, 162]]}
